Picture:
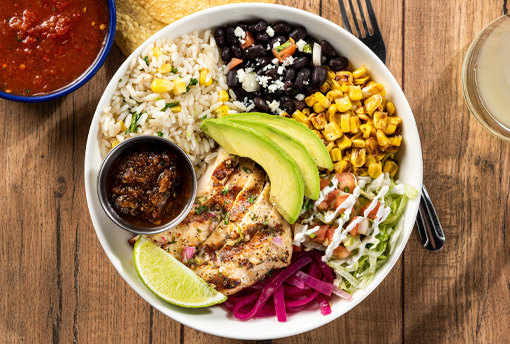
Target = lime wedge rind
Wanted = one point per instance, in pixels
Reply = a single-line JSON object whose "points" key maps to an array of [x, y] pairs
{"points": [[170, 280]]}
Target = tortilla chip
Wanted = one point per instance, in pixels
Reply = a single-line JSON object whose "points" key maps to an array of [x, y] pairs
{"points": [[169, 11], [137, 20], [134, 25]]}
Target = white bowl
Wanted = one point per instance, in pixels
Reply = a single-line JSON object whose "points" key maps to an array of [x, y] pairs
{"points": [[216, 320]]}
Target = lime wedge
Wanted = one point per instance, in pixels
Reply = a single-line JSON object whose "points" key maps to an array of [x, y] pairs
{"points": [[169, 279]]}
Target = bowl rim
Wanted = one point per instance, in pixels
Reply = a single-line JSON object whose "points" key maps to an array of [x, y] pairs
{"points": [[112, 156], [411, 211], [85, 76]]}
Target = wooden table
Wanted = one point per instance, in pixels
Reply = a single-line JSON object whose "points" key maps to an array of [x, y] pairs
{"points": [[58, 286]]}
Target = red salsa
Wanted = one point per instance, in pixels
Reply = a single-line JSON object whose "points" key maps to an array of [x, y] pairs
{"points": [[147, 186], [47, 44]]}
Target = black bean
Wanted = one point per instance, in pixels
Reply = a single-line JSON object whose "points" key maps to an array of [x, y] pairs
{"points": [[288, 87], [262, 37], [302, 79], [282, 28], [299, 104], [261, 104], [237, 52], [327, 49], [272, 73], [287, 104], [243, 26], [220, 31], [230, 35], [299, 33], [279, 39], [338, 63], [301, 62], [252, 95], [324, 60], [219, 36], [240, 93], [232, 80], [319, 76], [261, 26], [261, 62], [255, 51], [220, 41], [225, 54], [290, 74]]}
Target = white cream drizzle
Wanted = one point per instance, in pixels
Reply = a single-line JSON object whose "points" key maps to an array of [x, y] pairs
{"points": [[326, 191]]}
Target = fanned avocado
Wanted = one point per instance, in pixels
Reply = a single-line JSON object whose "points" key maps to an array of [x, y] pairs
{"points": [[312, 142], [287, 189], [296, 150]]}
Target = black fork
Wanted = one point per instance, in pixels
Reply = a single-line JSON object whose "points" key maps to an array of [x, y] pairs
{"points": [[375, 40], [429, 227]]}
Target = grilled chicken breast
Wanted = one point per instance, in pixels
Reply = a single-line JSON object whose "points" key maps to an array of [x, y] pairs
{"points": [[241, 252]]}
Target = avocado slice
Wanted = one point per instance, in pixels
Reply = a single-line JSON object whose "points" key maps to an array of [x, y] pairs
{"points": [[312, 142], [287, 189], [296, 150]]}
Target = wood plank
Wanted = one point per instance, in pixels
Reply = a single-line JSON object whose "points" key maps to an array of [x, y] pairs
{"points": [[456, 295]]}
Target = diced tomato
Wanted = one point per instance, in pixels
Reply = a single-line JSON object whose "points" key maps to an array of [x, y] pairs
{"points": [[341, 252], [346, 182], [373, 214], [320, 234], [285, 52], [296, 248], [234, 63], [328, 200], [249, 40], [339, 200], [324, 183], [354, 231], [329, 234]]}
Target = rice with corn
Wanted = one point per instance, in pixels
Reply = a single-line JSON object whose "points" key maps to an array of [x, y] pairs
{"points": [[187, 70]]}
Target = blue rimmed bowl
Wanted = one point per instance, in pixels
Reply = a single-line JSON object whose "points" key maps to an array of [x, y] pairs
{"points": [[82, 79]]}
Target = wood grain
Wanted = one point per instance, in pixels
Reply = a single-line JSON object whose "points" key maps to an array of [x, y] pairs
{"points": [[59, 287]]}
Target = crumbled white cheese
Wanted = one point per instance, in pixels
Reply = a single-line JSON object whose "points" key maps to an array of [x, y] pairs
{"points": [[300, 96], [268, 67], [275, 61], [288, 61], [276, 44], [239, 32], [263, 80], [274, 106], [281, 69], [305, 82], [277, 85], [300, 45], [270, 31]]}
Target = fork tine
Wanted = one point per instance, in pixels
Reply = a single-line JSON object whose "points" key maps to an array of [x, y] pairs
{"points": [[371, 16], [345, 18], [363, 21], [355, 19]]}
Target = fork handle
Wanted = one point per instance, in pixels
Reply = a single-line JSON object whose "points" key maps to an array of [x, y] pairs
{"points": [[429, 227]]}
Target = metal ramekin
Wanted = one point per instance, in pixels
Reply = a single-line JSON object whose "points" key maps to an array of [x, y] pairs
{"points": [[189, 172]]}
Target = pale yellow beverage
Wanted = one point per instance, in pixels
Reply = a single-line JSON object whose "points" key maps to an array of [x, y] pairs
{"points": [[493, 74]]}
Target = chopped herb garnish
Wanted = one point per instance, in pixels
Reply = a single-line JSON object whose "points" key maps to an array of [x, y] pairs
{"points": [[120, 80], [193, 82], [187, 88], [227, 216], [283, 46], [330, 184], [254, 217], [198, 230], [146, 59], [172, 242], [204, 118], [247, 170], [53, 9], [174, 69], [346, 189], [19, 39], [160, 133], [170, 105], [225, 191], [312, 235], [133, 128], [270, 272], [307, 49], [266, 220], [200, 210], [252, 199]]}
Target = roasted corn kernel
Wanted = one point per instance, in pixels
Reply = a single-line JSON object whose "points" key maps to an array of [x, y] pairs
{"points": [[203, 78], [322, 100], [344, 143], [345, 122], [382, 139], [344, 77], [317, 107], [332, 132], [365, 129], [332, 110], [310, 101], [335, 85], [336, 154], [343, 104], [222, 96], [355, 93], [373, 88], [300, 117], [334, 94], [361, 81], [358, 157], [156, 52], [176, 109], [319, 121], [375, 170], [390, 108], [122, 126], [330, 146], [389, 129], [396, 140], [394, 120], [222, 110], [355, 124], [115, 142], [161, 85], [380, 119], [372, 103], [359, 72], [390, 167], [358, 143], [325, 87], [341, 166]]}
